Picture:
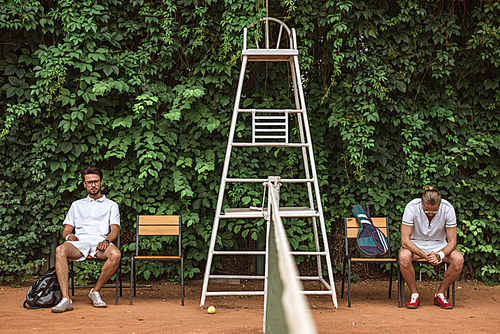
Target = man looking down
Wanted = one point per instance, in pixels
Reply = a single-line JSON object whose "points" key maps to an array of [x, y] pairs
{"points": [[429, 231], [96, 221]]}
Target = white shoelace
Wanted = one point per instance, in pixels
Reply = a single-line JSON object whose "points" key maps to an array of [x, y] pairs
{"points": [[414, 298]]}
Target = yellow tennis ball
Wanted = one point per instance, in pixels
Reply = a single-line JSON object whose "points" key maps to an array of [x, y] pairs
{"points": [[211, 309]]}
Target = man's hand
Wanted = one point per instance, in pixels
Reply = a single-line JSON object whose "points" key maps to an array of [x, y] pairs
{"points": [[102, 246], [71, 237], [433, 258]]}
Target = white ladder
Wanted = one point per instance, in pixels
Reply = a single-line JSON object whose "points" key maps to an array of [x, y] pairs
{"points": [[270, 127]]}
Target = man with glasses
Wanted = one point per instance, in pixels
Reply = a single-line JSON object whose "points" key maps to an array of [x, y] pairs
{"points": [[96, 221], [429, 231]]}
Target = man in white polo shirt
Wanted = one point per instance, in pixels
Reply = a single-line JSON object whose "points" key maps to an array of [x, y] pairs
{"points": [[96, 221], [429, 231]]}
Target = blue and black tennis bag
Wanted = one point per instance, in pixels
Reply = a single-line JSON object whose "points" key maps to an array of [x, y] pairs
{"points": [[370, 240]]}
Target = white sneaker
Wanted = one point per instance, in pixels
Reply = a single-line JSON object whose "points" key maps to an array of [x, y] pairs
{"points": [[64, 305], [95, 298]]}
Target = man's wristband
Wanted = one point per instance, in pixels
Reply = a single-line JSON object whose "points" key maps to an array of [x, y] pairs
{"points": [[67, 237], [441, 255], [107, 241]]}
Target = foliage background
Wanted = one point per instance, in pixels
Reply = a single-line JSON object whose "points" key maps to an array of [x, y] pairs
{"points": [[400, 94]]}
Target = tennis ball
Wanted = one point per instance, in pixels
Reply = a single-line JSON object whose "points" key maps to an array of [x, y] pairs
{"points": [[211, 309]]}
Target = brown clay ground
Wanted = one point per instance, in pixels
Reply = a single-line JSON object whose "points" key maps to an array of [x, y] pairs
{"points": [[158, 310]]}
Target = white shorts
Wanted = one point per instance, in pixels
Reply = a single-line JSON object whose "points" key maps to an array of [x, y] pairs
{"points": [[86, 246], [430, 245]]}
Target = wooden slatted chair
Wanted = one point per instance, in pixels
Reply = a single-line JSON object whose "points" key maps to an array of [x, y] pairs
{"points": [[155, 226], [89, 258], [401, 281], [351, 231]]}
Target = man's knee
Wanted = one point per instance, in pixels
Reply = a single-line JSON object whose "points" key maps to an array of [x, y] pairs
{"points": [[405, 257], [115, 256], [457, 260], [61, 253]]}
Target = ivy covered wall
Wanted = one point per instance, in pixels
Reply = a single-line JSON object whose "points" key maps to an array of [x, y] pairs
{"points": [[400, 94]]}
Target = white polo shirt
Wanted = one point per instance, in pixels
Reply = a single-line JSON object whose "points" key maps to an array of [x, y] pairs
{"points": [[92, 218], [423, 230]]}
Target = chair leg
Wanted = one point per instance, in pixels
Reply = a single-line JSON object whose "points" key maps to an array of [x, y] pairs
{"points": [[182, 279], [402, 290], [349, 284], [72, 279], [116, 281], [343, 275], [453, 293], [120, 272], [131, 277], [399, 283], [390, 282]]}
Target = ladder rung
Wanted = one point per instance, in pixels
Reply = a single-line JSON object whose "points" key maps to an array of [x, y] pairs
{"points": [[239, 252], [265, 180], [308, 253], [270, 130], [278, 111], [269, 137], [237, 276], [270, 144], [270, 124], [284, 212], [309, 278], [316, 292], [235, 293], [271, 117]]}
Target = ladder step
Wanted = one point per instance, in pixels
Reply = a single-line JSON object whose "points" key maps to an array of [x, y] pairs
{"points": [[269, 54], [265, 180], [270, 130], [308, 253], [270, 144], [239, 252], [270, 124], [237, 276], [235, 293], [278, 111], [270, 137], [284, 212], [277, 117], [322, 292]]}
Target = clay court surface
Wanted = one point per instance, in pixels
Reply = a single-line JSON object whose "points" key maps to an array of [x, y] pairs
{"points": [[158, 310]]}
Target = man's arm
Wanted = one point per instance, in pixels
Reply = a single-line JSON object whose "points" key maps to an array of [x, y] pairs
{"points": [[406, 243], [113, 234], [451, 236], [68, 233]]}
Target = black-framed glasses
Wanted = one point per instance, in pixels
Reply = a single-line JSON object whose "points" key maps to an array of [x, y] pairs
{"points": [[91, 183]]}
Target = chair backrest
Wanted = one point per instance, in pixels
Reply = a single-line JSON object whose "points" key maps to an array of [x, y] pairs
{"points": [[283, 35], [158, 225], [352, 228]]}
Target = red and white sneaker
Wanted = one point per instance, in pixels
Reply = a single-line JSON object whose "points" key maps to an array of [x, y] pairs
{"points": [[440, 300], [414, 301]]}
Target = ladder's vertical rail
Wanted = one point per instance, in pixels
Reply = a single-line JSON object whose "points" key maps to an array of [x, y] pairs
{"points": [[296, 74], [266, 267], [220, 198], [316, 185], [253, 126]]}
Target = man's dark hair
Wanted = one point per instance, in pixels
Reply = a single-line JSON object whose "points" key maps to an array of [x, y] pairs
{"points": [[91, 170]]}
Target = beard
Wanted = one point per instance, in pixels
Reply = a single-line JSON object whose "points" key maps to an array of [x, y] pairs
{"points": [[94, 191]]}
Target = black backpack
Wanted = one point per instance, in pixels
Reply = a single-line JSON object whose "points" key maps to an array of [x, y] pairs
{"points": [[45, 292]]}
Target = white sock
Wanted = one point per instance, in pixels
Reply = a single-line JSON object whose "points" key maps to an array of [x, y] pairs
{"points": [[414, 295], [437, 294]]}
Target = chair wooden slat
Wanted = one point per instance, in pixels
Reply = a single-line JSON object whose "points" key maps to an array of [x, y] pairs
{"points": [[159, 220], [158, 230]]}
